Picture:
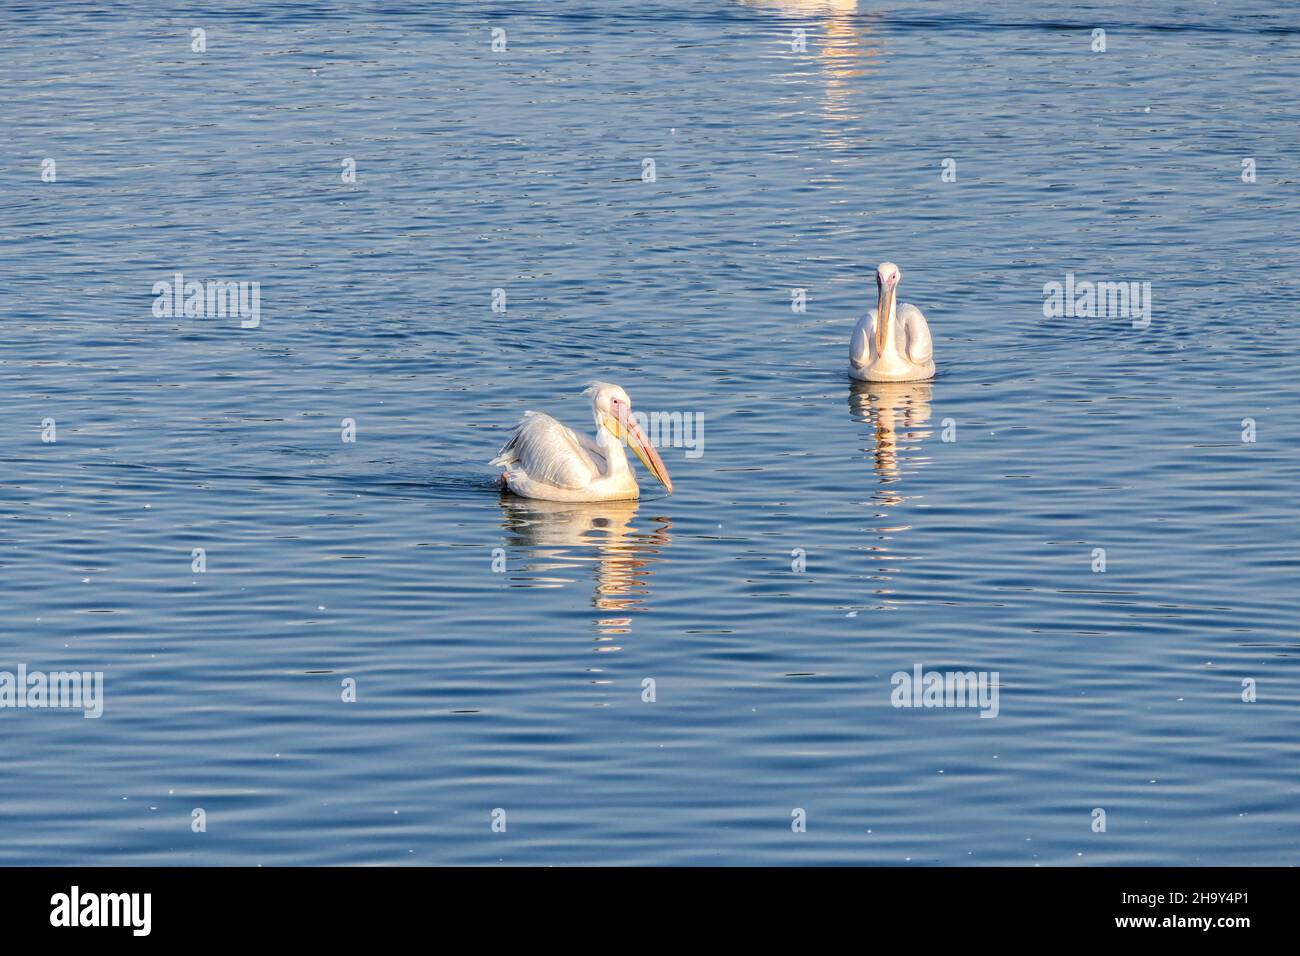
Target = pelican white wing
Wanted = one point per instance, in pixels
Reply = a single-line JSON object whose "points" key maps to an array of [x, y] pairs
{"points": [[546, 451], [864, 333], [916, 334]]}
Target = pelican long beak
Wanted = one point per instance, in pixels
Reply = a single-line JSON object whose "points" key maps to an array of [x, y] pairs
{"points": [[630, 432], [884, 308]]}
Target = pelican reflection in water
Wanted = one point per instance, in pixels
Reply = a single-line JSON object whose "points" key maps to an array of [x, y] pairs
{"points": [[899, 413], [557, 536]]}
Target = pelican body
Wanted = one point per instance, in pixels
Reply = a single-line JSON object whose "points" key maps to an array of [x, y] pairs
{"points": [[897, 348], [544, 459]]}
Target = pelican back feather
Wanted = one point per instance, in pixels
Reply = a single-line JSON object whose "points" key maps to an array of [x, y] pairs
{"points": [[546, 451]]}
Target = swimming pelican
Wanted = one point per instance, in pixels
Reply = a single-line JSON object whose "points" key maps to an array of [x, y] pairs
{"points": [[544, 459], [897, 349]]}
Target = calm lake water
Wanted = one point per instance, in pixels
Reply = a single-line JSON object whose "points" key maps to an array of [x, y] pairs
{"points": [[958, 525]]}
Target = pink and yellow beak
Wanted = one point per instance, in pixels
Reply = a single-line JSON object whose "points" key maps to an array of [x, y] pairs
{"points": [[884, 308], [631, 433]]}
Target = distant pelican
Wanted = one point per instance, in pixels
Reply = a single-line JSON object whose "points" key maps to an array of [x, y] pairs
{"points": [[544, 459], [897, 349]]}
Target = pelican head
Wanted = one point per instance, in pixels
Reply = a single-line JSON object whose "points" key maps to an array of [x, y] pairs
{"points": [[887, 276], [612, 410]]}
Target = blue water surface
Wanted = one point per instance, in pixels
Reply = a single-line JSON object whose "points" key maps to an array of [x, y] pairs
{"points": [[823, 536]]}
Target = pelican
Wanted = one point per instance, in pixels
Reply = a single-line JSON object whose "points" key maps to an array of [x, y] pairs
{"points": [[544, 459], [897, 349]]}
